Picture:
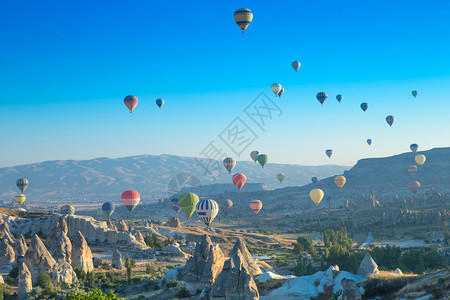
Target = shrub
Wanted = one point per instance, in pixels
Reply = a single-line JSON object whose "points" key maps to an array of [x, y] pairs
{"points": [[172, 283], [183, 293], [44, 281]]}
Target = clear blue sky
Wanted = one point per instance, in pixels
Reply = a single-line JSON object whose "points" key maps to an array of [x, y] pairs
{"points": [[67, 65]]}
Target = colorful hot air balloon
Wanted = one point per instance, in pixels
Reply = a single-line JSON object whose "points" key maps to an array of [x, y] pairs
{"points": [[207, 210], [420, 159], [254, 155], [67, 210], [413, 170], [329, 152], [229, 164], [20, 198], [160, 102], [243, 17], [130, 102], [414, 186], [256, 206], [414, 93], [322, 96], [174, 205], [364, 106], [228, 203], [22, 184], [281, 92], [239, 180], [390, 120], [130, 199], [296, 65], [263, 159], [320, 184], [314, 179], [414, 147], [316, 195], [280, 177], [339, 98], [340, 181], [108, 208], [276, 88], [187, 202]]}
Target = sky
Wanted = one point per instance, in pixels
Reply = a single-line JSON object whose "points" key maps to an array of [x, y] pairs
{"points": [[65, 67]]}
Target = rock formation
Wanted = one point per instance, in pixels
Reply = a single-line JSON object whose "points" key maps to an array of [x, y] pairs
{"points": [[24, 282], [148, 224], [140, 237], [7, 254], [367, 266], [38, 259], [173, 222], [58, 243], [398, 271], [173, 250], [5, 232], [117, 260], [249, 262], [204, 266], [122, 226], [21, 247], [63, 272], [111, 225], [81, 254], [350, 290]]}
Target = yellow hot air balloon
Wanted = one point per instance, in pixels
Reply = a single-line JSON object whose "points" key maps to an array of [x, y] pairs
{"points": [[20, 198], [420, 159], [340, 181], [316, 195]]}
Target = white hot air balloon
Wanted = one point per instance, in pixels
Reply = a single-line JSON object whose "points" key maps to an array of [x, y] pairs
{"points": [[207, 210]]}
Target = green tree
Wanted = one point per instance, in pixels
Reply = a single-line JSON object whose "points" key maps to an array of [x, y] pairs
{"points": [[130, 263], [44, 281], [304, 244], [95, 294]]}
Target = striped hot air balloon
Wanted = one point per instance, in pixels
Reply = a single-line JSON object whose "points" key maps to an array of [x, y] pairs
{"points": [[340, 181], [414, 186], [22, 184], [108, 208], [67, 210], [239, 180], [243, 17], [256, 206], [130, 102], [207, 210], [130, 199], [229, 164], [20, 199], [281, 92], [412, 170], [281, 177], [174, 205], [321, 97]]}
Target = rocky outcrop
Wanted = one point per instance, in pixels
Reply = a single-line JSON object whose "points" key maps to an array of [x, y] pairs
{"points": [[58, 243], [7, 254], [24, 282], [38, 259], [204, 266], [249, 262], [173, 250], [173, 222], [122, 226], [110, 224], [148, 224], [63, 272], [81, 253], [350, 290], [173, 274], [21, 247], [398, 271], [367, 266], [117, 260], [140, 237], [5, 232], [235, 280]]}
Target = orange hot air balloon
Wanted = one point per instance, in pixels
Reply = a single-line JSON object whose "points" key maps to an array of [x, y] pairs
{"points": [[130, 102], [239, 180], [340, 181], [256, 206]]}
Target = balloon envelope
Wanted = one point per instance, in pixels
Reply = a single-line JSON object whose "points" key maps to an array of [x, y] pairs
{"points": [[412, 170], [281, 92], [229, 164], [339, 98], [22, 184], [256, 206], [369, 141], [414, 93], [296, 65], [314, 179], [340, 181], [243, 17], [174, 205], [20, 198], [187, 202], [364, 106], [276, 88], [207, 210], [108, 208], [420, 159], [263, 159], [414, 147], [321, 97], [329, 152], [228, 203], [239, 180], [254, 155], [130, 102], [67, 210], [316, 195], [160, 102], [280, 177], [130, 199], [390, 120], [414, 186]]}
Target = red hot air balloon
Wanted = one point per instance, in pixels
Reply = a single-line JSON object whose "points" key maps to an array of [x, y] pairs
{"points": [[239, 180], [130, 199], [412, 170], [414, 186], [256, 206]]}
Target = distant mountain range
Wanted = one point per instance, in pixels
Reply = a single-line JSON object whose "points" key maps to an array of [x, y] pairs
{"points": [[104, 179]]}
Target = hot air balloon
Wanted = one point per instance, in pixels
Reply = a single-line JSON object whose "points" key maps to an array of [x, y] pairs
{"points": [[412, 170], [414, 93], [256, 206], [320, 184], [339, 98], [130, 199], [414, 186], [130, 102], [187, 202], [243, 17], [314, 179], [239, 180], [108, 208], [276, 88], [281, 92], [160, 102], [22, 184], [369, 141], [174, 205], [20, 198], [329, 152], [228, 203], [316, 195], [207, 210], [322, 96], [229, 164], [364, 106], [296, 65], [340, 181], [280, 177], [390, 120], [414, 147], [262, 159], [67, 210], [420, 159], [254, 155]]}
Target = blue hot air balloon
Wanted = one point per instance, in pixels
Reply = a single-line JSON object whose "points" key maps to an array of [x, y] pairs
{"points": [[364, 106], [160, 102], [390, 120], [108, 208], [175, 206], [369, 141]]}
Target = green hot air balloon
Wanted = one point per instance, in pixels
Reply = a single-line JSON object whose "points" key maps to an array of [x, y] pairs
{"points": [[263, 159], [187, 203]]}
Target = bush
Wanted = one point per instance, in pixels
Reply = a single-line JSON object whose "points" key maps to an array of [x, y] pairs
{"points": [[44, 281], [172, 283], [81, 274], [95, 294], [383, 288], [183, 293], [12, 276], [150, 269]]}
